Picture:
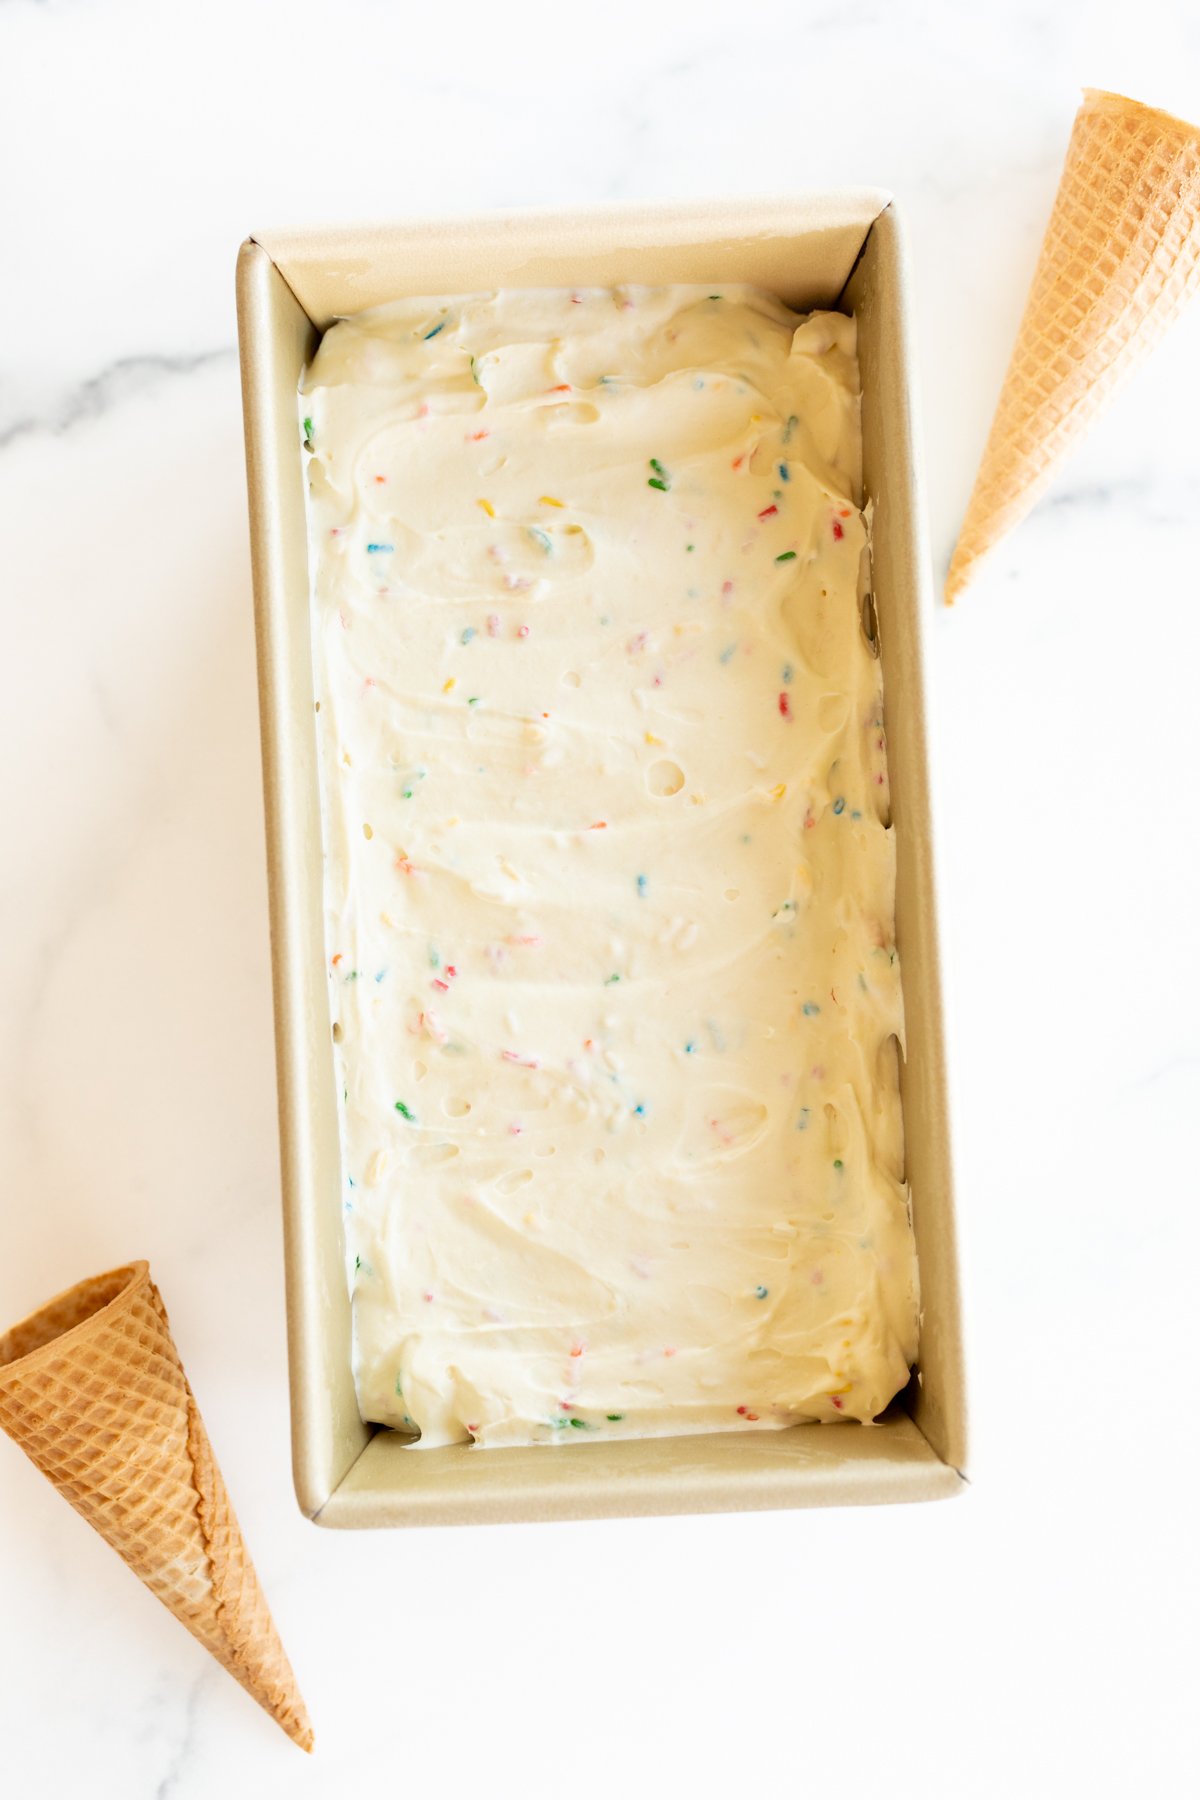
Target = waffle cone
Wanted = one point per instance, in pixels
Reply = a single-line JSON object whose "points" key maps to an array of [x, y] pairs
{"points": [[1120, 257], [92, 1389]]}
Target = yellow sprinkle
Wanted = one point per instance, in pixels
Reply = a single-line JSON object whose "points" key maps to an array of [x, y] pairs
{"points": [[453, 821], [447, 685], [387, 919], [697, 799], [841, 1390], [549, 500], [779, 791], [651, 739], [488, 508], [367, 832], [346, 759]]}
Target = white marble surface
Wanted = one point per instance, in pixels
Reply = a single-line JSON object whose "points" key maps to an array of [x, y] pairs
{"points": [[1036, 1637]]}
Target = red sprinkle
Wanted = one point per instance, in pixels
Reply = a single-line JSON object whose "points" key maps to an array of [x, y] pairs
{"points": [[742, 1410], [522, 631], [600, 825], [837, 1401], [576, 1349], [442, 986], [564, 387], [337, 959], [381, 478], [837, 529], [737, 462], [844, 513], [477, 437], [451, 970], [785, 707], [753, 1417], [767, 511]]}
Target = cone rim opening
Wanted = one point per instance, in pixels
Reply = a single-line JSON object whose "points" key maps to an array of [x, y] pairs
{"points": [[1106, 100], [68, 1315]]}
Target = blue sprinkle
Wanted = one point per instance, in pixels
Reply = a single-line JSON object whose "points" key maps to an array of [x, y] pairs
{"points": [[435, 331], [783, 472], [381, 975], [380, 549], [641, 887], [839, 805], [468, 634], [802, 1121], [760, 1292], [856, 815], [350, 1179], [690, 1047], [640, 1110], [726, 655], [810, 1009], [788, 672], [540, 537]]}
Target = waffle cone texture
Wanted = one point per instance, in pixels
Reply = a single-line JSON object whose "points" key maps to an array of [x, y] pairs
{"points": [[1120, 257], [92, 1389]]}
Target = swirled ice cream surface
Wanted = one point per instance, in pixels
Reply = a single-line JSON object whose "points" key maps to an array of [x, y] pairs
{"points": [[608, 869]]}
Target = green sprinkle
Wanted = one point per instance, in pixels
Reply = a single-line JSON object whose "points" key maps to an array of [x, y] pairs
{"points": [[660, 485], [579, 1424], [714, 296], [614, 1418], [810, 1009], [308, 431], [357, 1264], [611, 979], [660, 479], [399, 1389], [691, 547], [787, 556], [760, 1292], [475, 374], [435, 961], [789, 428], [541, 537], [837, 1162], [404, 1112], [473, 700], [407, 792]]}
